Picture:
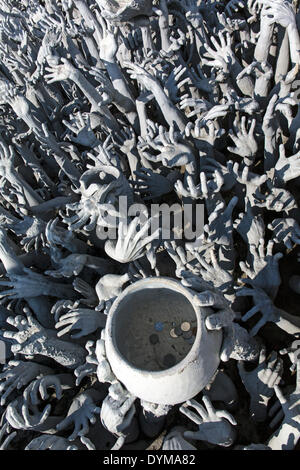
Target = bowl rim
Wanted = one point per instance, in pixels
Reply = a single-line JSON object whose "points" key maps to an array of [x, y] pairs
{"points": [[111, 340]]}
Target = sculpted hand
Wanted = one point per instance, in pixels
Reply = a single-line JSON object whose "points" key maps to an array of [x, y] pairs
{"points": [[204, 189], [151, 185], [49, 442], [278, 11], [245, 144], [63, 71], [219, 227], [291, 403], [215, 427], [250, 227], [90, 366], [81, 412], [21, 414], [84, 320], [81, 130], [260, 381], [264, 272], [237, 344], [18, 374], [222, 55], [117, 409], [30, 335], [286, 231], [72, 265], [173, 150], [38, 389], [29, 284], [287, 169], [277, 199], [131, 244], [107, 39], [5, 440], [262, 304]]}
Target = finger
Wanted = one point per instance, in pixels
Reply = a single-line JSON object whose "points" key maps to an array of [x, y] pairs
{"points": [[65, 423], [275, 377], [218, 320], [127, 405], [191, 415], [276, 420], [197, 436], [127, 421], [224, 414], [280, 395], [262, 355], [208, 405], [257, 327]]}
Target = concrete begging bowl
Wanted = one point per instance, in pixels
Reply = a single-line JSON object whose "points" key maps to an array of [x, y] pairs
{"points": [[157, 343], [124, 10]]}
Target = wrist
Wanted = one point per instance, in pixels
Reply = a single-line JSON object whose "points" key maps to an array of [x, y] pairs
{"points": [[95, 142], [108, 62], [292, 27], [163, 23], [74, 75], [191, 167]]}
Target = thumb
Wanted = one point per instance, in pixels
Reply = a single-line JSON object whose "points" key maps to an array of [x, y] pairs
{"points": [[226, 350], [192, 435]]}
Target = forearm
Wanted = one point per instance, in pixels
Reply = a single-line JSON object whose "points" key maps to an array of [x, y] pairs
{"points": [[126, 106], [87, 88], [170, 112], [10, 260], [269, 152], [294, 40], [123, 93], [142, 112], [67, 354], [52, 205], [32, 198], [64, 163], [283, 59], [91, 46], [95, 99], [147, 38], [264, 42], [31, 160], [101, 265], [164, 33], [201, 40], [75, 52], [61, 291], [133, 160], [261, 89], [245, 84], [27, 115]]}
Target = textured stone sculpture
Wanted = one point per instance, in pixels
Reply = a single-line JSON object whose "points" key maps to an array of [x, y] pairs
{"points": [[149, 224]]}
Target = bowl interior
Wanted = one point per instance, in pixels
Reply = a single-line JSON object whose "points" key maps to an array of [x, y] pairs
{"points": [[116, 5], [154, 328]]}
